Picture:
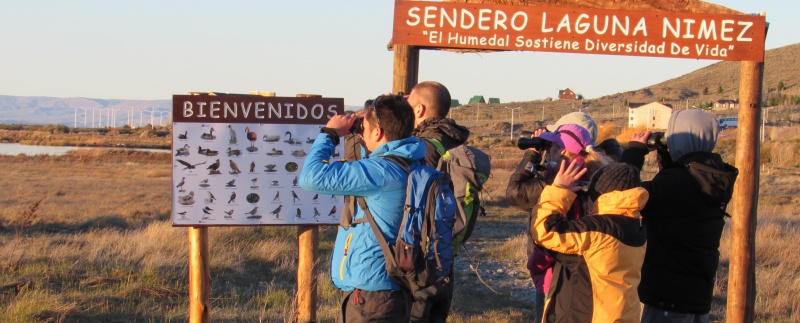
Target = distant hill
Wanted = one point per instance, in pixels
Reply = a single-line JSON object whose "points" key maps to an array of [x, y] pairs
{"points": [[50, 110], [781, 65]]}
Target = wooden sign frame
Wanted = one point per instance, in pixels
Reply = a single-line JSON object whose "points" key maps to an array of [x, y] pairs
{"points": [[407, 42]]}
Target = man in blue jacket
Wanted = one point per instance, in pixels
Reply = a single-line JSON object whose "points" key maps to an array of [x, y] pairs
{"points": [[358, 266]]}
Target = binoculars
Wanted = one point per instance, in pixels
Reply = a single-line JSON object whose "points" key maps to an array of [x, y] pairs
{"points": [[657, 140]]}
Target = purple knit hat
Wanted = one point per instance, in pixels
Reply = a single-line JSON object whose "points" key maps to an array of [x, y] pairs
{"points": [[573, 138]]}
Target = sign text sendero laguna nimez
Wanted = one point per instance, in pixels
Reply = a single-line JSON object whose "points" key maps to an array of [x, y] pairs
{"points": [[579, 30]]}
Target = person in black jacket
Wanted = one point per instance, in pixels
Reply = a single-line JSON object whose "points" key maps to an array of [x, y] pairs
{"points": [[431, 103], [684, 218]]}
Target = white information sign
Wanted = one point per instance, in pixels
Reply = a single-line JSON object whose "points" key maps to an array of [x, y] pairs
{"points": [[228, 171]]}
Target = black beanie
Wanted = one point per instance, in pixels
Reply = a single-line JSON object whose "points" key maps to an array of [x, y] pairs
{"points": [[613, 177]]}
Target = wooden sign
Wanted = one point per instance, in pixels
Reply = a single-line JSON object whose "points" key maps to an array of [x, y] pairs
{"points": [[237, 160], [579, 30]]}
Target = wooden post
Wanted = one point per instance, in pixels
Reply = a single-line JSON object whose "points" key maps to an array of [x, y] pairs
{"points": [[307, 241], [741, 275], [406, 68], [199, 275]]}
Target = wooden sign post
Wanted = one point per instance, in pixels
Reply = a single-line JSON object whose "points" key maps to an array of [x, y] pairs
{"points": [[307, 244], [199, 275], [678, 29], [742, 272]]}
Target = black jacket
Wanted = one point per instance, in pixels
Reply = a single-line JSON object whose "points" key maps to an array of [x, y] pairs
{"points": [[526, 184], [684, 218], [446, 131]]}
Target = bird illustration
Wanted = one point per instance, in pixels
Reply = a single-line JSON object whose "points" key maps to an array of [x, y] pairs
{"points": [[188, 165], [316, 212], [277, 212], [299, 213], [209, 135], [232, 198], [209, 152], [333, 198], [309, 140], [183, 135], [270, 168], [315, 197], [204, 182], [274, 138], [233, 135], [277, 196], [333, 211], [234, 152], [251, 135], [207, 210], [232, 183], [253, 213], [213, 167], [180, 185], [201, 151], [183, 215], [210, 199], [186, 199], [234, 167], [229, 214], [299, 153], [290, 140], [183, 151], [294, 182], [274, 183], [254, 180], [252, 167], [275, 152], [294, 197]]}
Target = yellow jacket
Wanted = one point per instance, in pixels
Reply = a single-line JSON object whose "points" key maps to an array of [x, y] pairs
{"points": [[612, 243]]}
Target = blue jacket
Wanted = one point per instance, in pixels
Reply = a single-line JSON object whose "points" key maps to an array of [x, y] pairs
{"points": [[357, 260]]}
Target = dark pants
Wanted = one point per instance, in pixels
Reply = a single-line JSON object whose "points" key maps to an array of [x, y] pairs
{"points": [[538, 305], [432, 304], [381, 306], [652, 314]]}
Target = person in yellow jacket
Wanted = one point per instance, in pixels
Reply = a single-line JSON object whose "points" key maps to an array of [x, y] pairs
{"points": [[611, 240]]}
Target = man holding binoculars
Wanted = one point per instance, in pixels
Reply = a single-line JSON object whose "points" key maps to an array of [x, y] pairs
{"points": [[684, 216]]}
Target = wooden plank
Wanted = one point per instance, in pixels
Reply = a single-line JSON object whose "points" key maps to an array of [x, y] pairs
{"points": [[579, 30]]}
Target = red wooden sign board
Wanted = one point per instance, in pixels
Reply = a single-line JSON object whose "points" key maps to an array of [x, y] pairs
{"points": [[579, 30]]}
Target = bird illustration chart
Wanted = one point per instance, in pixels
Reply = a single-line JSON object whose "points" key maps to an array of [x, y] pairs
{"points": [[237, 160]]}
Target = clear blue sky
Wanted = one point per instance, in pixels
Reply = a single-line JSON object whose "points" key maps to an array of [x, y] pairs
{"points": [[152, 49]]}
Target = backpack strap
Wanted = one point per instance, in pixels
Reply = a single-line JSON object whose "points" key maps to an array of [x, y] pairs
{"points": [[436, 143], [387, 253], [362, 203]]}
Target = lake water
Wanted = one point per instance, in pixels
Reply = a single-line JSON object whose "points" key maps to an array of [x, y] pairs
{"points": [[16, 149]]}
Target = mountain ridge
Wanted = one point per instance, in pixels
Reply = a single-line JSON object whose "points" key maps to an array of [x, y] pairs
{"points": [[708, 84]]}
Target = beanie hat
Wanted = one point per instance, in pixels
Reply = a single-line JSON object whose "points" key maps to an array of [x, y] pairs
{"points": [[571, 137], [613, 177], [579, 118]]}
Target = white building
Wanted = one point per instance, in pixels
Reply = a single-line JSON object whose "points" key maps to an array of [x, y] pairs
{"points": [[653, 115]]}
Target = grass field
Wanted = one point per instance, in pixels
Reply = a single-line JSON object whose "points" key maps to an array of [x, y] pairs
{"points": [[87, 238]]}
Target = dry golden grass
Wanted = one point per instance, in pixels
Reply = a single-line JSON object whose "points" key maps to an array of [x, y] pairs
{"points": [[100, 246]]}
